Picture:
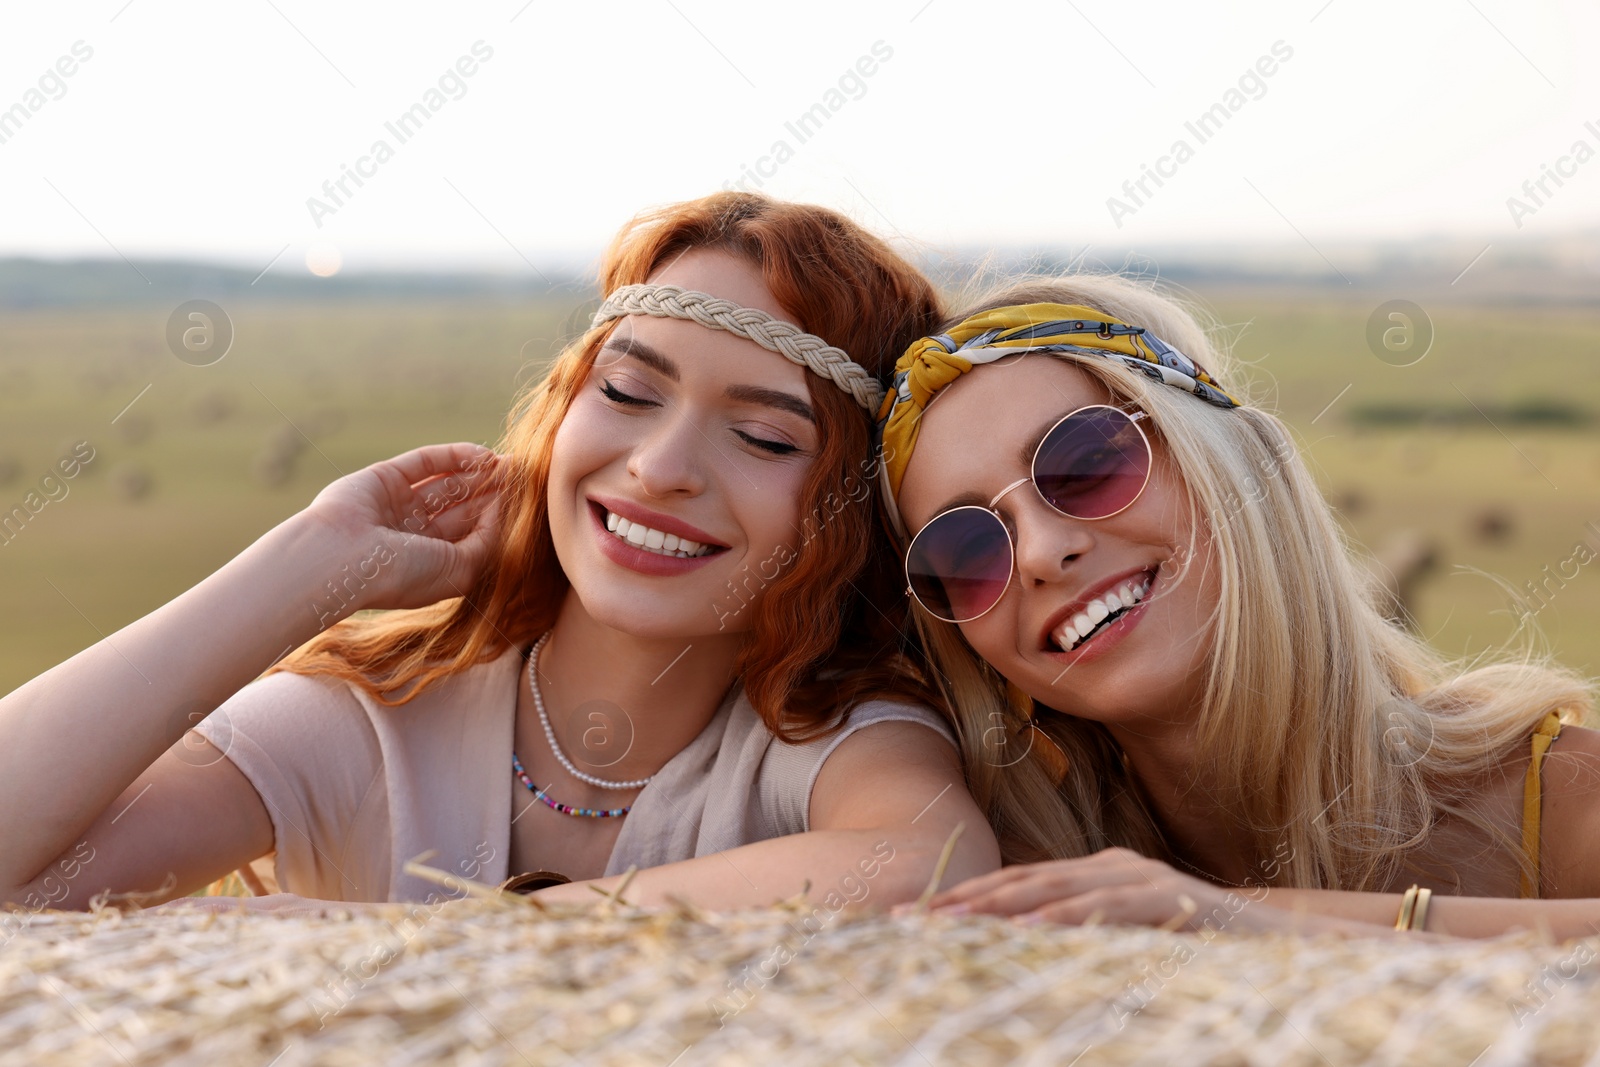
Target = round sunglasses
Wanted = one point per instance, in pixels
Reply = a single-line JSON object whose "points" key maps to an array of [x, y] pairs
{"points": [[1092, 464]]}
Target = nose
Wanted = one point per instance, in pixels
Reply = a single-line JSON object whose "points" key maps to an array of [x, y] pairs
{"points": [[1048, 542], [670, 459]]}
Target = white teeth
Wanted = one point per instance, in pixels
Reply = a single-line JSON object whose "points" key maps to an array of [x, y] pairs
{"points": [[1075, 630], [641, 536]]}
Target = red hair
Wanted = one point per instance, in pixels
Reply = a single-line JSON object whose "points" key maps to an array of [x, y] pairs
{"points": [[835, 610]]}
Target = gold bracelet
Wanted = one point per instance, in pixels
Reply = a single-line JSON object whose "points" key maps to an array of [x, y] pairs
{"points": [[1419, 917], [1408, 904]]}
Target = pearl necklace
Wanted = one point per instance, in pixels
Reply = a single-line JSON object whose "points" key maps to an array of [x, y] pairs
{"points": [[550, 734]]}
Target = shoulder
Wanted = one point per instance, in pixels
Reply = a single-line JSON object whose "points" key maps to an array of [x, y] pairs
{"points": [[892, 768], [464, 690], [286, 729], [871, 718], [1570, 820], [872, 712], [286, 701], [897, 733], [322, 715], [906, 736], [1570, 774]]}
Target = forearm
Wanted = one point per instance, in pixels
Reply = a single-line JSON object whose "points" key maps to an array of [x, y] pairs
{"points": [[876, 867], [73, 738], [1447, 915]]}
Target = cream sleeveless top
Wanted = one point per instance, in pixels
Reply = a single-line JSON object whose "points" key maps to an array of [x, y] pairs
{"points": [[355, 789]]}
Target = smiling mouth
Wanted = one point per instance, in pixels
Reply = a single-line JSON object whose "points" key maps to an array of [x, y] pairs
{"points": [[649, 539], [1101, 612]]}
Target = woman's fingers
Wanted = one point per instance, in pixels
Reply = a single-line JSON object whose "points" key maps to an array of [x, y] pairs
{"points": [[1112, 866], [1030, 888], [1019, 897], [408, 492], [461, 519], [446, 506], [1122, 906], [420, 464], [984, 884], [1113, 886], [478, 525], [432, 515]]}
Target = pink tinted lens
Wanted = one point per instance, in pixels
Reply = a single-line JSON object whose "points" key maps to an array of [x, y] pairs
{"points": [[960, 564], [1094, 463]]}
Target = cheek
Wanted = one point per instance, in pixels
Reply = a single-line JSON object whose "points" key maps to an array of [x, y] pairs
{"points": [[995, 637], [771, 515], [580, 446]]}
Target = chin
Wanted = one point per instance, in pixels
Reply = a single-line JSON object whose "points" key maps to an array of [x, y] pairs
{"points": [[639, 614], [1125, 694]]}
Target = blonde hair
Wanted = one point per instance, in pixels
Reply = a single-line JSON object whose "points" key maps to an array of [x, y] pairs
{"points": [[1314, 702]]}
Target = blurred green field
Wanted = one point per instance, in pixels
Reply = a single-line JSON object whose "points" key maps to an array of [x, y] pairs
{"points": [[201, 464]]}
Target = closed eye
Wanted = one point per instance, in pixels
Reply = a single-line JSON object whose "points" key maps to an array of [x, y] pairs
{"points": [[777, 448], [617, 396]]}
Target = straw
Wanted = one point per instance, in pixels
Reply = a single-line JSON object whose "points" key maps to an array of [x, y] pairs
{"points": [[488, 981]]}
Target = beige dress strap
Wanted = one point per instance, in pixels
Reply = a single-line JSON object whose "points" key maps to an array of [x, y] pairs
{"points": [[1532, 801], [789, 772]]}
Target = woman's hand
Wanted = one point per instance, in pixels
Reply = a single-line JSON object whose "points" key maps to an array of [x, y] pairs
{"points": [[406, 532], [420, 525], [1113, 886]]}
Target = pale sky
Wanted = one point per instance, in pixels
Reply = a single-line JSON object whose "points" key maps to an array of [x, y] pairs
{"points": [[194, 129]]}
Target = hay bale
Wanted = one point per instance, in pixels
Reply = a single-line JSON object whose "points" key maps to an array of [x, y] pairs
{"points": [[1350, 503], [215, 406], [274, 464], [1416, 456], [485, 981], [324, 422], [131, 481], [1495, 525], [1406, 561], [134, 429]]}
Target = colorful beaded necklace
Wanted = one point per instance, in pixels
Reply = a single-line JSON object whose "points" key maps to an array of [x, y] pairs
{"points": [[565, 809]]}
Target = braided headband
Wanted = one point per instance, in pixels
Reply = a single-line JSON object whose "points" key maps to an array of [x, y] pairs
{"points": [[934, 362], [775, 335]]}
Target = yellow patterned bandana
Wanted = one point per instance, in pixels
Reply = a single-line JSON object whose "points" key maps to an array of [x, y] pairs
{"points": [[934, 362]]}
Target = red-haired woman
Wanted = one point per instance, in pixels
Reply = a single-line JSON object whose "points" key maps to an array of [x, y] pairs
{"points": [[639, 633]]}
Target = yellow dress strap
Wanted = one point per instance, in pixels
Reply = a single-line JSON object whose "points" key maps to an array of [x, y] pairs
{"points": [[1547, 732]]}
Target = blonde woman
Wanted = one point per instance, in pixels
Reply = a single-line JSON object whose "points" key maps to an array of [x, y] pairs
{"points": [[1195, 702], [632, 636]]}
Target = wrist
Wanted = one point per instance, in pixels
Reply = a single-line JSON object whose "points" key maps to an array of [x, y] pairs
{"points": [[312, 564]]}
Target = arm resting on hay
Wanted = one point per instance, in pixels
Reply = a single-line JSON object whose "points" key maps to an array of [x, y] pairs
{"points": [[883, 806], [1569, 863], [1447, 915]]}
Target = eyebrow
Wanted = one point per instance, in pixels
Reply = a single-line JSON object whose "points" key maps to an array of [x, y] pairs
{"points": [[749, 394], [772, 398], [1024, 457], [646, 354], [1031, 443]]}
